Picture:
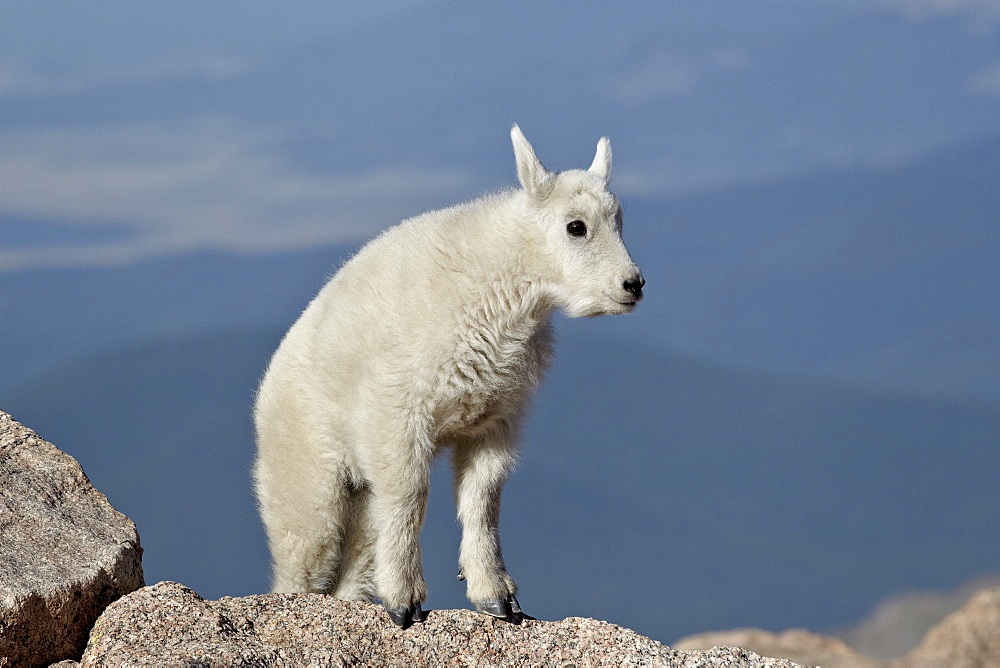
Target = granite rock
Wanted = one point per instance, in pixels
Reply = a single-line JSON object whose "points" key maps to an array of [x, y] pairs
{"points": [[168, 623], [65, 552]]}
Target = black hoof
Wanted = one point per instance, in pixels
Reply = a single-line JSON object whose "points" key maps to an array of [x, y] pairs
{"points": [[496, 607], [404, 617], [502, 608]]}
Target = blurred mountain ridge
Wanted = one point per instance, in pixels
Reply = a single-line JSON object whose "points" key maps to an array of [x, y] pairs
{"points": [[883, 277]]}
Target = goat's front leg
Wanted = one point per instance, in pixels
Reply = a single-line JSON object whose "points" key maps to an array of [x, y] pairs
{"points": [[481, 469], [400, 484]]}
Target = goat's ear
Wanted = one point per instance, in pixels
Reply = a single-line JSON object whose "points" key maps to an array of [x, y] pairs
{"points": [[601, 166], [534, 178]]}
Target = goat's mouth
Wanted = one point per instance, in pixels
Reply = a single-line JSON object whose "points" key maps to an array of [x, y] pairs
{"points": [[626, 304], [617, 304]]}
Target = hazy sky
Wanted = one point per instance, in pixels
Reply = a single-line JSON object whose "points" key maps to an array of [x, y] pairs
{"points": [[129, 130]]}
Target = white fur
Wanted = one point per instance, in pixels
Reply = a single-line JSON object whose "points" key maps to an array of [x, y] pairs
{"points": [[433, 335]]}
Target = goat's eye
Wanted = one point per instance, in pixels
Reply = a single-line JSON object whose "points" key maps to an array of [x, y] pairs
{"points": [[577, 228]]}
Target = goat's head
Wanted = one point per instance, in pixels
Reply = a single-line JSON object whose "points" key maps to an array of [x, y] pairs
{"points": [[578, 225]]}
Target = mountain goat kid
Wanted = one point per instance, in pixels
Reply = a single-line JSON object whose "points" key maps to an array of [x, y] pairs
{"points": [[433, 335]]}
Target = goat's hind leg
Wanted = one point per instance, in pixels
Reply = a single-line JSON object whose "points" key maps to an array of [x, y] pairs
{"points": [[355, 582], [305, 527]]}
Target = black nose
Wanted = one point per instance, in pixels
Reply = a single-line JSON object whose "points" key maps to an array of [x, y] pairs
{"points": [[634, 286]]}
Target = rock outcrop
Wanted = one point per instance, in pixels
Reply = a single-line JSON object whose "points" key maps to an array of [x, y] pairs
{"points": [[899, 623], [806, 647], [65, 552], [968, 638], [168, 623]]}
